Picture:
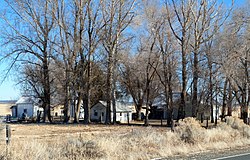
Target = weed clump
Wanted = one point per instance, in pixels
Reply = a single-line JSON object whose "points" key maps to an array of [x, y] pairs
{"points": [[238, 125], [79, 148], [190, 131]]}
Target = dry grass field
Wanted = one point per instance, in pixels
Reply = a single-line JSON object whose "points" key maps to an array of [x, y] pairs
{"points": [[42, 142]]}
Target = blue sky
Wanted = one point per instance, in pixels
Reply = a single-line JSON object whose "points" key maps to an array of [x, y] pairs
{"points": [[9, 90]]}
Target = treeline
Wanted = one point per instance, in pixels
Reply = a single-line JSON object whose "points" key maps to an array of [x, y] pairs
{"points": [[81, 51]]}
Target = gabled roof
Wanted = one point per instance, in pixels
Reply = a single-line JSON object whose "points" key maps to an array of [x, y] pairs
{"points": [[120, 106], [25, 100]]}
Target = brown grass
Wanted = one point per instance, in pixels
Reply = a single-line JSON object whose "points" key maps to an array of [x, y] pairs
{"points": [[120, 142]]}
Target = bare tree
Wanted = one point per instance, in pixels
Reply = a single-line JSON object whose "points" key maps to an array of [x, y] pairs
{"points": [[30, 37], [164, 45], [210, 64], [132, 81], [117, 15], [207, 18], [235, 52], [180, 23], [93, 28], [70, 52]]}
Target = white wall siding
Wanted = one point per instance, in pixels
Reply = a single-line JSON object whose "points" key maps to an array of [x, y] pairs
{"points": [[22, 107], [124, 117], [98, 113]]}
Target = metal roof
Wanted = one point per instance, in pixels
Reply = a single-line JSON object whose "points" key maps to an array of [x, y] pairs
{"points": [[25, 100]]}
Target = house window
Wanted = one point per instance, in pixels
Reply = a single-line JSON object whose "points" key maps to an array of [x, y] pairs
{"points": [[120, 114], [102, 114], [95, 113], [25, 111]]}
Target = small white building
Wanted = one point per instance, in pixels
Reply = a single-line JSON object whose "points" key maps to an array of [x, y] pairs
{"points": [[25, 105], [123, 112]]}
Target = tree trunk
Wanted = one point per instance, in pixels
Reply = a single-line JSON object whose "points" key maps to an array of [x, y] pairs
{"points": [[244, 108], [182, 107], [229, 102], [246, 86], [147, 108], [195, 85], [87, 102], [66, 98], [211, 91], [89, 106], [170, 97], [224, 100], [216, 106], [87, 95], [146, 123], [46, 88], [86, 109], [114, 107], [109, 86], [171, 108], [66, 109], [138, 112], [113, 93]]}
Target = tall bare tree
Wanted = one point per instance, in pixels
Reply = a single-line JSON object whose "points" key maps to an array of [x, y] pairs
{"points": [[207, 18], [179, 19], [117, 15], [93, 27], [29, 35], [165, 48], [69, 49]]}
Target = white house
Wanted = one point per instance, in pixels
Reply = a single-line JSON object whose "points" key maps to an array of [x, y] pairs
{"points": [[25, 105], [123, 112]]}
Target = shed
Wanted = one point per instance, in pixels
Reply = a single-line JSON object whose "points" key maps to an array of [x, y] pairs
{"points": [[123, 112], [25, 105]]}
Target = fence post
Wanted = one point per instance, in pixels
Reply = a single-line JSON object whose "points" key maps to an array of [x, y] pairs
{"points": [[8, 134]]}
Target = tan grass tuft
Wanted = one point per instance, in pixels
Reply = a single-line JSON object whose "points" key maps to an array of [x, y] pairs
{"points": [[190, 131]]}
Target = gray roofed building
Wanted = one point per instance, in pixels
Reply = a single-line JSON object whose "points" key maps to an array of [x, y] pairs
{"points": [[26, 105], [123, 111]]}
